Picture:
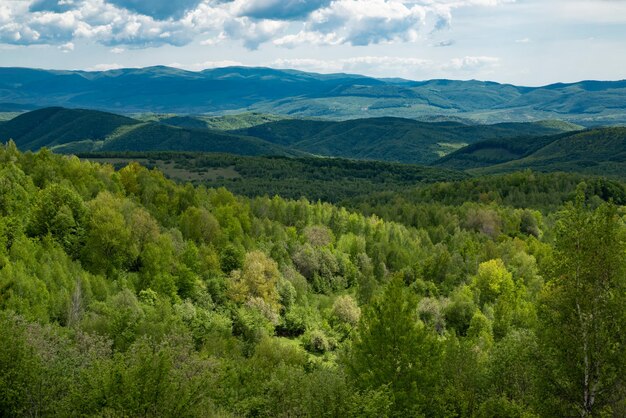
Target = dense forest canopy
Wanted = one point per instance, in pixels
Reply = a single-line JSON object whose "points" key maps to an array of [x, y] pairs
{"points": [[123, 293]]}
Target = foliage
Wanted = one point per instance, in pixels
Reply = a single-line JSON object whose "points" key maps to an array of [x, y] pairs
{"points": [[123, 293]]}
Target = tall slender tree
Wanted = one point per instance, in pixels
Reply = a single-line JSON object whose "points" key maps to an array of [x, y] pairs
{"points": [[582, 313]]}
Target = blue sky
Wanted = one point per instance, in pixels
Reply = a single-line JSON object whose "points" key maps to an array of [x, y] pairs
{"points": [[527, 42]]}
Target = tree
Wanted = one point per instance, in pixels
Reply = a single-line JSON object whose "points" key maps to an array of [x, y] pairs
{"points": [[60, 212], [582, 315], [199, 225], [392, 349], [258, 278]]}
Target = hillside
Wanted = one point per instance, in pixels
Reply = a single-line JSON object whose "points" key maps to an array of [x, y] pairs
{"points": [[495, 151], [386, 139], [327, 179], [125, 294], [56, 126], [77, 130], [300, 94], [390, 139], [595, 151], [222, 123]]}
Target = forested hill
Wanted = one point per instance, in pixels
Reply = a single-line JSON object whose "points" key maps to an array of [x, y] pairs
{"points": [[123, 293], [81, 130], [391, 139], [599, 151], [387, 139], [300, 94]]}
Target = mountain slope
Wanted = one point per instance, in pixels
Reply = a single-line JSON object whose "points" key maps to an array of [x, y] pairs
{"points": [[78, 130], [390, 139], [385, 139], [57, 126], [300, 94], [596, 151]]}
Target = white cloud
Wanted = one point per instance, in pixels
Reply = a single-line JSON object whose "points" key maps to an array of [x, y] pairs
{"points": [[143, 23], [310, 38], [364, 22], [278, 9], [67, 47], [105, 67], [253, 33], [117, 50], [381, 66], [370, 65], [471, 63], [523, 41], [206, 64]]}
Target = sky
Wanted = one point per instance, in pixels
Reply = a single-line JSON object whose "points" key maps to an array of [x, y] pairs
{"points": [[523, 42]]}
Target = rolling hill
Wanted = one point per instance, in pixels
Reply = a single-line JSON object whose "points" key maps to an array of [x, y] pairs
{"points": [[596, 151], [384, 139], [391, 139], [600, 151], [78, 130], [301, 94]]}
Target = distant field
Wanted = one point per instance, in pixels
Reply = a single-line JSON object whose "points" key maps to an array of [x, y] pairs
{"points": [[4, 116], [174, 170]]}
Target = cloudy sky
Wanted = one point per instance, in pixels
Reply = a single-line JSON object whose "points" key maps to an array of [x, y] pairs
{"points": [[527, 42]]}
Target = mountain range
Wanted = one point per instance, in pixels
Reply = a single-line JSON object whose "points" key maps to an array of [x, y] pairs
{"points": [[300, 94]]}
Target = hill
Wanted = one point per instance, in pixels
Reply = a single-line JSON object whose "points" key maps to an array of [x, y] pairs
{"points": [[596, 151], [78, 130], [494, 151], [390, 139], [301, 94], [55, 126], [222, 123], [386, 139]]}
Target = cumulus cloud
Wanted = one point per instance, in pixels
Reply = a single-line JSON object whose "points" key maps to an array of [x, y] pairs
{"points": [[373, 65], [253, 33], [91, 19], [158, 9], [364, 22], [149, 23], [280, 9], [67, 47], [105, 67], [408, 67], [206, 64], [471, 63], [57, 6]]}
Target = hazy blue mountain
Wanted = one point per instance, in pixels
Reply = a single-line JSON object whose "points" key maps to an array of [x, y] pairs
{"points": [[301, 94]]}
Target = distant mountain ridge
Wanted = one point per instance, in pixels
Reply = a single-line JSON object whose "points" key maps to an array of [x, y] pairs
{"points": [[302, 94]]}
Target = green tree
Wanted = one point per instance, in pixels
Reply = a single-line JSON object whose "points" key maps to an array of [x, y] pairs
{"points": [[60, 212], [582, 315], [392, 349]]}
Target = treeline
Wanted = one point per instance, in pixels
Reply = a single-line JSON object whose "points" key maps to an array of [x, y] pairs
{"points": [[126, 294]]}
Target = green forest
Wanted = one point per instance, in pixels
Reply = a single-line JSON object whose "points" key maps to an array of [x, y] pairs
{"points": [[126, 294]]}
